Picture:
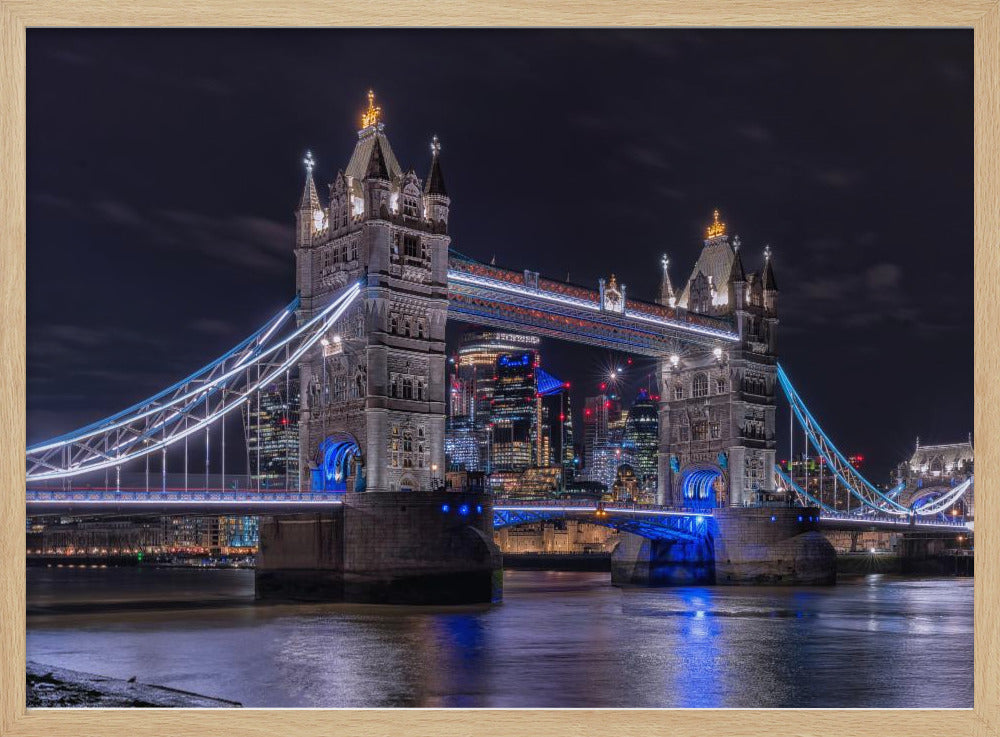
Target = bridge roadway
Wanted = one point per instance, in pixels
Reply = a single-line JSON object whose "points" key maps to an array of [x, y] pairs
{"points": [[645, 520]]}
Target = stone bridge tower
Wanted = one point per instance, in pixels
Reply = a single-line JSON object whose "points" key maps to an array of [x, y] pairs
{"points": [[717, 410], [373, 394]]}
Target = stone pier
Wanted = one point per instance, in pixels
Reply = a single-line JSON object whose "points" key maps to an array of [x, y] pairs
{"points": [[387, 547], [745, 546]]}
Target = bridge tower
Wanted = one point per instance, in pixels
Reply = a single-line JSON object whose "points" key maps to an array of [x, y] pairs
{"points": [[373, 394], [717, 411]]}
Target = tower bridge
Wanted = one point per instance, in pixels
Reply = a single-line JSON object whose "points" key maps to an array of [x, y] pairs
{"points": [[377, 280]]}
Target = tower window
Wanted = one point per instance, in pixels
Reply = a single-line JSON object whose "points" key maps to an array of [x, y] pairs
{"points": [[411, 246], [720, 386], [678, 391], [407, 387], [699, 386]]}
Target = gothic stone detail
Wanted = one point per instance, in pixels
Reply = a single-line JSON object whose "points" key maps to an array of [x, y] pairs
{"points": [[380, 376], [717, 407]]}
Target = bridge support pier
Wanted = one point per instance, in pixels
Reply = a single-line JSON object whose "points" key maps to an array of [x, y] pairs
{"points": [[772, 546], [384, 547], [640, 561], [745, 546]]}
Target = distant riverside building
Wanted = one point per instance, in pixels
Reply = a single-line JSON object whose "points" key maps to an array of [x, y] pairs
{"points": [[932, 470], [471, 387], [812, 474], [462, 444], [641, 442], [514, 413], [603, 426], [507, 415], [272, 435]]}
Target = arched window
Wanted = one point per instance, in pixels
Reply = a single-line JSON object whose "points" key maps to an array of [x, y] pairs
{"points": [[420, 390], [393, 324], [699, 386], [407, 442], [393, 386], [720, 386], [678, 391]]}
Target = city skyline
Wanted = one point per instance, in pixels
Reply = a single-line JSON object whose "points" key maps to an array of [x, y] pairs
{"points": [[858, 292]]}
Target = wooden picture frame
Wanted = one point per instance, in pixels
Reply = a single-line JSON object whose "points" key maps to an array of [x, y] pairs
{"points": [[983, 16]]}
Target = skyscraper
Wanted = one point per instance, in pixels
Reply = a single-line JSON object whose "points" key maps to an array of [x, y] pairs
{"points": [[271, 422], [641, 441], [603, 426], [471, 384], [515, 412]]}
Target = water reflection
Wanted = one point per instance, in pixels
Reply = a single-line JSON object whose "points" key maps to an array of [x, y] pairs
{"points": [[559, 639]]}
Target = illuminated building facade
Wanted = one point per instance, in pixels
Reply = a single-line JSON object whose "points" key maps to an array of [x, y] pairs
{"points": [[514, 414], [603, 427], [471, 384], [272, 435], [717, 408], [933, 470], [641, 442], [373, 392], [813, 475]]}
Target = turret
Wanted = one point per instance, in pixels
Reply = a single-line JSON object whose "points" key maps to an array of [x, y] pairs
{"points": [[436, 200], [667, 296], [310, 217], [373, 171], [769, 283]]}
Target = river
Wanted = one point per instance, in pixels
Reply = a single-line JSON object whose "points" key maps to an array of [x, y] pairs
{"points": [[557, 640]]}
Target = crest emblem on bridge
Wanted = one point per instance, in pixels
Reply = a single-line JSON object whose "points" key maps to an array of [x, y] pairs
{"points": [[612, 296]]}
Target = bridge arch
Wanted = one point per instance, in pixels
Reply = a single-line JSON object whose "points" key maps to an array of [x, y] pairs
{"points": [[929, 495], [338, 460], [702, 485]]}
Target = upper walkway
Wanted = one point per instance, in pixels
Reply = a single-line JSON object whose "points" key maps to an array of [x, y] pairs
{"points": [[489, 295]]}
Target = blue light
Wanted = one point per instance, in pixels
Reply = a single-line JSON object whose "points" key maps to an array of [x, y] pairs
{"points": [[800, 518], [445, 508], [463, 510], [699, 519], [773, 518], [479, 509]]}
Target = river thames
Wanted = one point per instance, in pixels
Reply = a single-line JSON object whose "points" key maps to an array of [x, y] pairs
{"points": [[557, 640]]}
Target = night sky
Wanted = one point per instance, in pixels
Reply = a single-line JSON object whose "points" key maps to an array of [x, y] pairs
{"points": [[164, 168]]}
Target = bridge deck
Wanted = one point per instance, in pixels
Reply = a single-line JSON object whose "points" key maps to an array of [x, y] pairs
{"points": [[222, 501]]}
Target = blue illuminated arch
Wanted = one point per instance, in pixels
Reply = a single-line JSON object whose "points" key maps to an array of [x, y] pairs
{"points": [[698, 487], [335, 456]]}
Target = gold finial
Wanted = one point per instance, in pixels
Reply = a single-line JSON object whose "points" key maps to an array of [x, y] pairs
{"points": [[717, 227], [371, 116]]}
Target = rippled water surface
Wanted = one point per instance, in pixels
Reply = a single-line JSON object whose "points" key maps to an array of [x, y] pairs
{"points": [[558, 639]]}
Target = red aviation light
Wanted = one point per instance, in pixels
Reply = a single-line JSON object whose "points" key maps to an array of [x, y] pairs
{"points": [[562, 418]]}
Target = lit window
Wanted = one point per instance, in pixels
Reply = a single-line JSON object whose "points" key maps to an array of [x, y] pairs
{"points": [[699, 386]]}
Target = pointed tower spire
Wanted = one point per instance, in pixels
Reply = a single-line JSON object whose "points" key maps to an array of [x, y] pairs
{"points": [[435, 193], [768, 275], [667, 296], [310, 198], [435, 180]]}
